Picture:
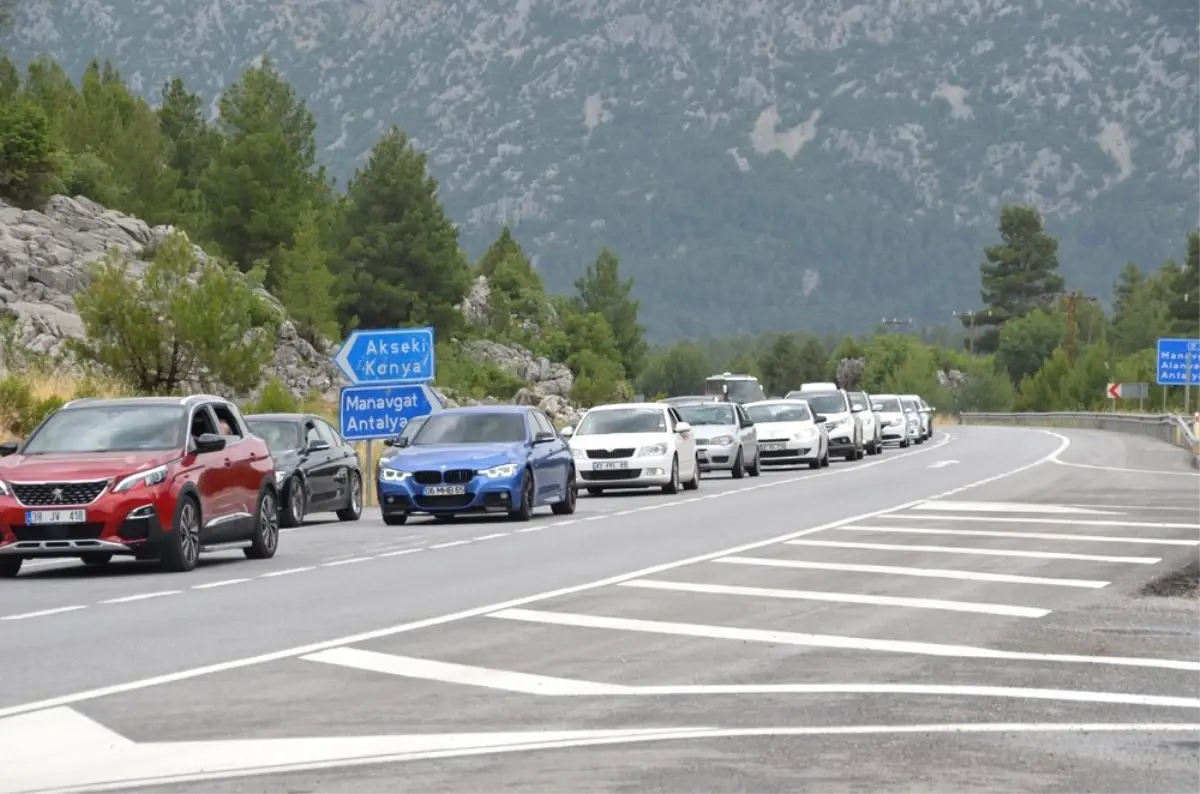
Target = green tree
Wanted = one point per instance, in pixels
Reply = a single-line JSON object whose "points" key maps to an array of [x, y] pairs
{"points": [[1026, 342], [1018, 275], [517, 305], [262, 177], [594, 359], [812, 361], [601, 290], [190, 146], [28, 169], [1140, 311], [1184, 291], [678, 371], [400, 252], [307, 287], [183, 321], [783, 366]]}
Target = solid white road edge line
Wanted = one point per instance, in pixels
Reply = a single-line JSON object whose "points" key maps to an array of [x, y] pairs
{"points": [[291, 653], [1038, 555], [548, 686], [1011, 507], [927, 573], [983, 533], [1074, 522], [840, 598], [823, 640]]}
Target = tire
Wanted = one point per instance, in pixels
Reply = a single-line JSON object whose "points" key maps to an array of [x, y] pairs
{"points": [[567, 506], [851, 455], [756, 469], [739, 466], [265, 541], [353, 509], [181, 549], [595, 491], [524, 511], [673, 486], [694, 483], [10, 567], [860, 453], [295, 503], [96, 558], [825, 459], [816, 463], [904, 444], [396, 519]]}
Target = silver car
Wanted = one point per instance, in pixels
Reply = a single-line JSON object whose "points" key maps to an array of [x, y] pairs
{"points": [[860, 403], [916, 422], [893, 421], [726, 439]]}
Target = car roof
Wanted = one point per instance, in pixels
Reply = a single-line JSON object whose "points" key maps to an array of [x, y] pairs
{"points": [[610, 406], [777, 401], [486, 409], [183, 402], [280, 417]]}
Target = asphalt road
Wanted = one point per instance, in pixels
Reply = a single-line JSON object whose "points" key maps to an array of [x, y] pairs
{"points": [[827, 630]]}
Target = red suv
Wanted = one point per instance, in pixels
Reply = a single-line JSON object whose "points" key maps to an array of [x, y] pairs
{"points": [[153, 478]]}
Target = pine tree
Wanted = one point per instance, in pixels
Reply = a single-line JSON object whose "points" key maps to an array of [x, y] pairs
{"points": [[601, 290], [308, 290]]}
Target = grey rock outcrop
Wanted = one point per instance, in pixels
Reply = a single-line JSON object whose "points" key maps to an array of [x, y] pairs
{"points": [[44, 261]]}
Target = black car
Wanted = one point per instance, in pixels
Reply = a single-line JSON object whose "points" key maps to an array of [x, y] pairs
{"points": [[316, 470]]}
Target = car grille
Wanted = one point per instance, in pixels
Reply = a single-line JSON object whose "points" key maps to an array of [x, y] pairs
{"points": [[57, 531], [773, 440], [444, 502], [611, 474], [56, 494], [453, 476], [609, 454]]}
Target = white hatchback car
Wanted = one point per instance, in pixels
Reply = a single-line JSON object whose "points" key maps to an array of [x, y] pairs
{"points": [[789, 433], [893, 421], [634, 445]]}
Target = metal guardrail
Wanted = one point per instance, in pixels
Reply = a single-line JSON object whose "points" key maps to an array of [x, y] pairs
{"points": [[1175, 430]]}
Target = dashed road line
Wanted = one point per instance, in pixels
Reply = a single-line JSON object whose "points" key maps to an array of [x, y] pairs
{"points": [[222, 583], [450, 544], [44, 612], [345, 562], [399, 552], [287, 572], [492, 536], [1037, 555], [141, 597]]}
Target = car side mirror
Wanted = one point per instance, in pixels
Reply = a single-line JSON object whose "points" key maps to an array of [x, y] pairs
{"points": [[9, 448], [320, 445], [682, 427], [856, 409], [748, 423], [821, 418], [208, 442], [400, 442], [567, 431]]}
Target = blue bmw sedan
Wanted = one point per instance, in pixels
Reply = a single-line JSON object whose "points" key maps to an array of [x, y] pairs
{"points": [[484, 459]]}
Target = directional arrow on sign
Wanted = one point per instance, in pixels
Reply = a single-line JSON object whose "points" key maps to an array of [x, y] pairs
{"points": [[1114, 391]]}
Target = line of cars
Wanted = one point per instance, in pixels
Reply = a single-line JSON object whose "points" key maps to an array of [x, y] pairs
{"points": [[167, 479]]}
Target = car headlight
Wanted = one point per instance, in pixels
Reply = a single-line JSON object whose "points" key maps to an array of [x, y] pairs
{"points": [[150, 477], [653, 449], [578, 454], [393, 475], [806, 434], [719, 441], [503, 470], [281, 477]]}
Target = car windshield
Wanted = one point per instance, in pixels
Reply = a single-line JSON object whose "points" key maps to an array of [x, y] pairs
{"points": [[780, 412], [830, 402], [109, 428], [623, 420], [471, 428], [280, 435], [887, 405], [714, 414], [412, 427], [858, 400]]}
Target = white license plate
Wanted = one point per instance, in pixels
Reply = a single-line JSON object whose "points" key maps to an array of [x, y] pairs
{"points": [[445, 490], [55, 516], [773, 447], [605, 466]]}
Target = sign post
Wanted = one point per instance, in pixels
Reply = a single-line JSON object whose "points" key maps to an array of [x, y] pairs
{"points": [[390, 369], [1127, 391], [1179, 365]]}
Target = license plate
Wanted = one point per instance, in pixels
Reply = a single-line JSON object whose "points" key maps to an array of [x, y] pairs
{"points": [[55, 516], [445, 490], [616, 464], [773, 447]]}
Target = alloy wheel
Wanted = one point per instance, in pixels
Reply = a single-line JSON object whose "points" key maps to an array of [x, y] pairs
{"points": [[268, 518], [189, 532], [296, 496], [355, 493]]}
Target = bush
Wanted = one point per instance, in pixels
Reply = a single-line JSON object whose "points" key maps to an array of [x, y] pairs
{"points": [[469, 378], [26, 400], [275, 398]]}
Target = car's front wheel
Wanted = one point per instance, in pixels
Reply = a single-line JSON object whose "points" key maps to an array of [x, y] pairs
{"points": [[673, 486], [567, 506], [524, 511], [295, 502], [265, 540], [181, 548]]}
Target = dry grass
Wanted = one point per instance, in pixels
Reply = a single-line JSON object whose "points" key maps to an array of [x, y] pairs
{"points": [[46, 385], [945, 420]]}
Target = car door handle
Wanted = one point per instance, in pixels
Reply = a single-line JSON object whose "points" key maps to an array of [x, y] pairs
{"points": [[228, 462]]}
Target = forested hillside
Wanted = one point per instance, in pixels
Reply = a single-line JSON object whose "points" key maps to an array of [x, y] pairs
{"points": [[760, 167]]}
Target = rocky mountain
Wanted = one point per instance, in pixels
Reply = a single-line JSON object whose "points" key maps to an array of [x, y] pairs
{"points": [[758, 164]]}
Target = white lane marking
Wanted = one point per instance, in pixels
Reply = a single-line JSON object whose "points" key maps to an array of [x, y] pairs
{"points": [[566, 523], [823, 640], [141, 597], [927, 573], [841, 598], [350, 561], [492, 536], [450, 545], [984, 533], [549, 686], [448, 673], [1119, 470], [1064, 521], [222, 583], [453, 617], [530, 529], [1010, 507], [1036, 555], [44, 612], [942, 464], [400, 552], [1193, 509], [287, 572]]}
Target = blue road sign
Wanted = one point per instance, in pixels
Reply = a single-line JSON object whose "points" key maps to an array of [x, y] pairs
{"points": [[388, 355], [369, 413], [1178, 362]]}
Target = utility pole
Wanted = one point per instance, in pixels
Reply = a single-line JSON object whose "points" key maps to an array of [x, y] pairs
{"points": [[896, 323], [970, 315]]}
